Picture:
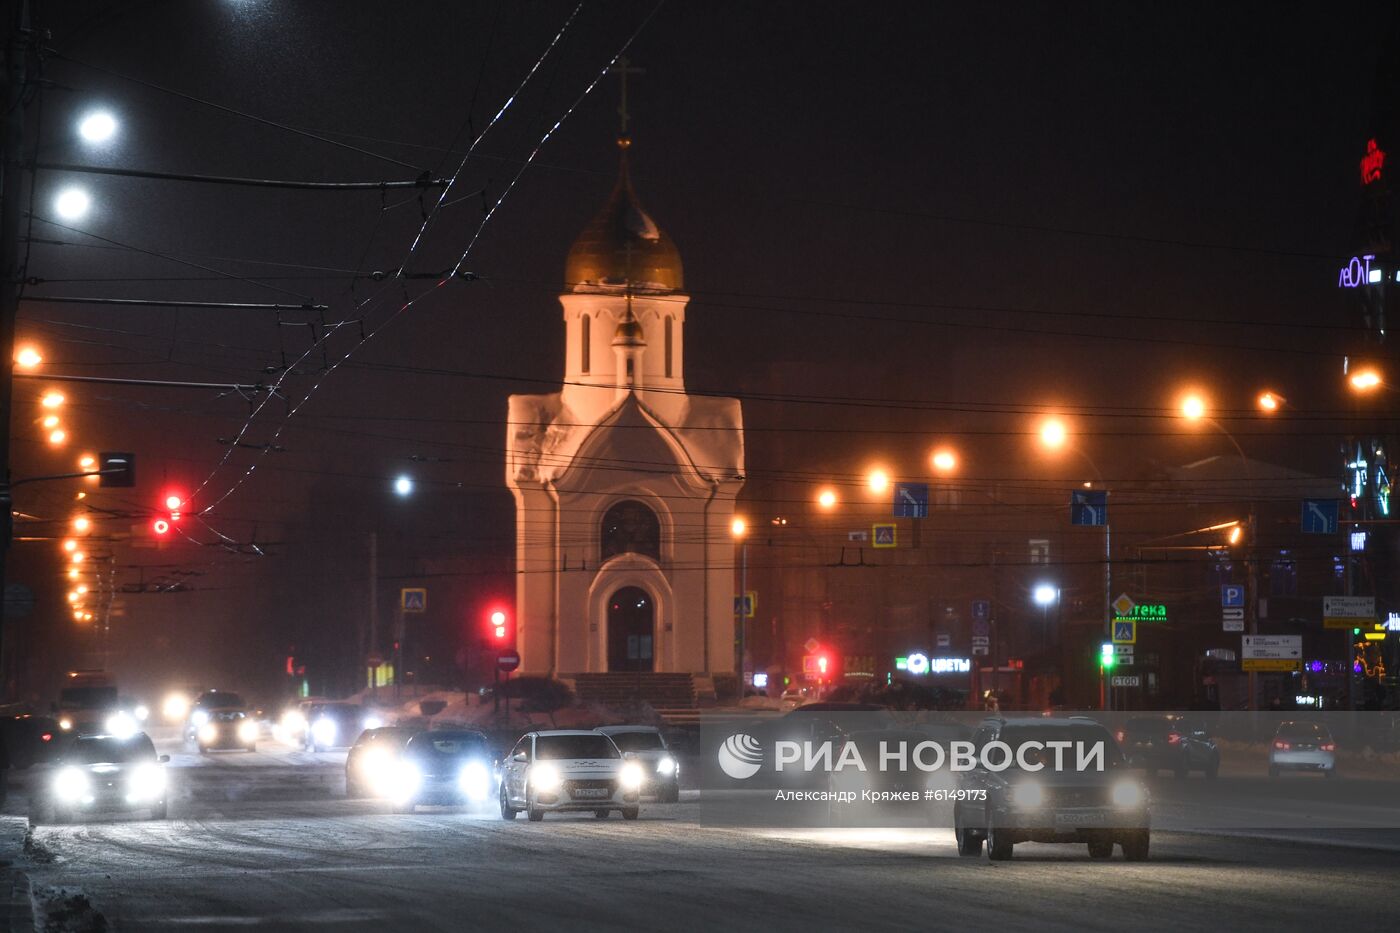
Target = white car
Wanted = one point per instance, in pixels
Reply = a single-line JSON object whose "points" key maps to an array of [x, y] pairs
{"points": [[1302, 746], [561, 769], [646, 745]]}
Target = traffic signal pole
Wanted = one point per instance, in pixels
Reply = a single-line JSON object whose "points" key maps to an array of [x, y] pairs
{"points": [[11, 156]]}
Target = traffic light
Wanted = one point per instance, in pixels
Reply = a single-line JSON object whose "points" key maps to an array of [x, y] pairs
{"points": [[167, 517], [1108, 656], [500, 628]]}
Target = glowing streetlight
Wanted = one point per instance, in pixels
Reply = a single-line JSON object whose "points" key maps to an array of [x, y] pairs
{"points": [[70, 545], [945, 460], [72, 203], [1366, 379], [81, 590], [72, 596], [57, 437], [1045, 594], [52, 400], [1270, 402], [403, 486], [77, 557], [28, 358], [99, 126], [827, 499], [49, 422], [72, 573], [878, 481], [1053, 433], [82, 524], [738, 527], [1236, 533], [1193, 407]]}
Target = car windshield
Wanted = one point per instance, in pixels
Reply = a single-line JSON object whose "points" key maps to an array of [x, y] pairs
{"points": [[575, 746], [1085, 736], [87, 697], [388, 735], [341, 713], [219, 699], [111, 751], [637, 741], [447, 744], [1302, 730], [1149, 726]]}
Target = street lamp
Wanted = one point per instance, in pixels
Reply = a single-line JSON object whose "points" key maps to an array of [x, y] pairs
{"points": [[826, 499], [944, 460], [1365, 379], [28, 358], [403, 485], [1045, 595], [1193, 407], [739, 530], [1053, 433], [99, 126], [72, 203], [1270, 402], [877, 480], [51, 400]]}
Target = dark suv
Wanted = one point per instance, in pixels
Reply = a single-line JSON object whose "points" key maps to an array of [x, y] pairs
{"points": [[1171, 743], [1031, 800]]}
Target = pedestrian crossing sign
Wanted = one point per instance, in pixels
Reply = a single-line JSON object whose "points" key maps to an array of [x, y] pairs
{"points": [[413, 599], [1124, 631], [883, 536]]}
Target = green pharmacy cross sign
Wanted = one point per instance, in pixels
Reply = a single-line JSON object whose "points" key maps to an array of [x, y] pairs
{"points": [[1124, 607]]}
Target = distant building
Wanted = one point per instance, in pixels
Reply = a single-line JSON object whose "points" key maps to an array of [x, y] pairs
{"points": [[624, 484]]}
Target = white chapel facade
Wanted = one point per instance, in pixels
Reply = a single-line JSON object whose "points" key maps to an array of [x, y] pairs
{"points": [[624, 484]]}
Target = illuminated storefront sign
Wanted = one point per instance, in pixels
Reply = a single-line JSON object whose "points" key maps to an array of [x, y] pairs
{"points": [[1358, 272], [920, 664], [1372, 162]]}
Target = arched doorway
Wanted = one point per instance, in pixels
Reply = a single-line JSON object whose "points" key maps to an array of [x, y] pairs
{"points": [[631, 624]]}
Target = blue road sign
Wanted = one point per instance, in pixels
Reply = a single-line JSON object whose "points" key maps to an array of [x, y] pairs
{"points": [[911, 500], [1124, 631], [1088, 507], [883, 535], [1232, 596], [413, 599], [1320, 516], [981, 609]]}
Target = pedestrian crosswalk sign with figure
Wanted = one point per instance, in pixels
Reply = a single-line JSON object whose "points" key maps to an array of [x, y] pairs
{"points": [[883, 535], [1124, 631], [413, 599]]}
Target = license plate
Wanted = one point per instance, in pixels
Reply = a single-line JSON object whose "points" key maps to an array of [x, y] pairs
{"points": [[591, 792], [1079, 819]]}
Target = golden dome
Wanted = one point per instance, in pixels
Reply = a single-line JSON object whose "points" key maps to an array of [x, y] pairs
{"points": [[622, 246]]}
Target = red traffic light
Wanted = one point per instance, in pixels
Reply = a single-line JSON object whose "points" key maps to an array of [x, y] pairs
{"points": [[161, 526], [498, 623]]}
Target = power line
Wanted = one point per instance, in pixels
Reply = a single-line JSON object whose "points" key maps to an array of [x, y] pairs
{"points": [[422, 181]]}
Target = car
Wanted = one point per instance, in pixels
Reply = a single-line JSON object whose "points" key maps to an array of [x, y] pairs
{"points": [[371, 760], [227, 728], [1171, 743], [337, 725], [1099, 808], [208, 703], [560, 769], [449, 767], [1299, 745], [86, 701], [28, 739], [647, 745], [101, 774]]}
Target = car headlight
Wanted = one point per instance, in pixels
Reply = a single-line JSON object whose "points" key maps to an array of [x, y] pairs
{"points": [[404, 779], [1129, 794], [147, 781], [71, 785], [175, 707], [323, 731], [1028, 795], [630, 777], [373, 722], [248, 731], [666, 766], [199, 717], [293, 722], [65, 724], [475, 781], [120, 724], [208, 733], [545, 777], [141, 713]]}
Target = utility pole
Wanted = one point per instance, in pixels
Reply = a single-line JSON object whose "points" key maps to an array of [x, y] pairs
{"points": [[11, 154]]}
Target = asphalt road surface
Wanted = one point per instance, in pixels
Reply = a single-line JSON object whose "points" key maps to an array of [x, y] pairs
{"points": [[267, 838]]}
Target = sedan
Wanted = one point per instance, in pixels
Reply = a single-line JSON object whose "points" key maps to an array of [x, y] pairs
{"points": [[227, 728], [646, 745], [101, 774], [561, 770], [443, 767], [372, 760]]}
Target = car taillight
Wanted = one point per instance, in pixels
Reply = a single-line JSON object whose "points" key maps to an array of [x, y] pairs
{"points": [[1173, 738], [47, 737], [1282, 746], [1329, 747]]}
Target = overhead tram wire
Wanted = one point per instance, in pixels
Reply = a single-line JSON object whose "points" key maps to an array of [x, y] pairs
{"points": [[412, 249], [424, 180]]}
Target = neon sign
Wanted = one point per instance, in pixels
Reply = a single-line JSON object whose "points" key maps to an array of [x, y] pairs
{"points": [[920, 664], [1372, 162], [1358, 272]]}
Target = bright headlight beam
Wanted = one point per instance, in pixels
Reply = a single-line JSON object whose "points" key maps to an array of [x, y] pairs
{"points": [[1128, 794], [630, 777], [545, 777], [70, 785]]}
